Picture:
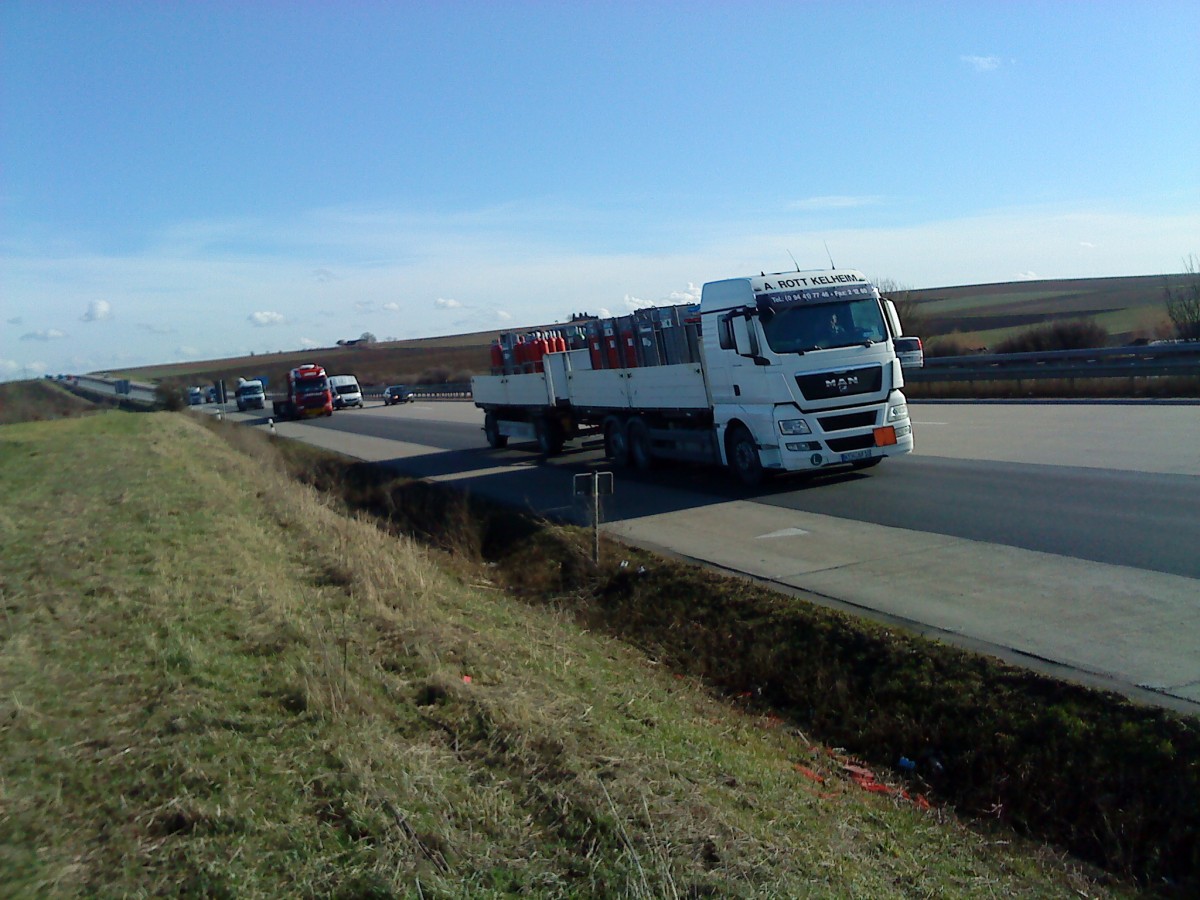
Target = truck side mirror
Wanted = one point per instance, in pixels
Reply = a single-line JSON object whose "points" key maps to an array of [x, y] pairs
{"points": [[893, 317]]}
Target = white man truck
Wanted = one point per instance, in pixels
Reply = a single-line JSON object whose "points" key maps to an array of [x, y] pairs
{"points": [[789, 372]]}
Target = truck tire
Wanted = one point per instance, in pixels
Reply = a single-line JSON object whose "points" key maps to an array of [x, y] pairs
{"points": [[616, 444], [491, 430], [638, 440], [550, 437], [742, 453]]}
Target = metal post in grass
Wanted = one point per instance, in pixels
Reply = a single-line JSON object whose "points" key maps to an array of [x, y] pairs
{"points": [[594, 485]]}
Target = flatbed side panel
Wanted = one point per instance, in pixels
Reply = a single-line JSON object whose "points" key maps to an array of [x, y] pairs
{"points": [[606, 388], [528, 390], [510, 390], [653, 387], [668, 387], [488, 390]]}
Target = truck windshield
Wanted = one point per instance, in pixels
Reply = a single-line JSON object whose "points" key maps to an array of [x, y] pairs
{"points": [[820, 326], [312, 386]]}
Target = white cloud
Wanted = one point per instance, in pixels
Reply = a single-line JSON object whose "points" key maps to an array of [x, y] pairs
{"points": [[392, 306], [1087, 244], [47, 334], [323, 276], [982, 63], [265, 319], [443, 303], [188, 352], [691, 295], [603, 313], [503, 316], [97, 311], [632, 302], [1027, 276], [308, 343]]}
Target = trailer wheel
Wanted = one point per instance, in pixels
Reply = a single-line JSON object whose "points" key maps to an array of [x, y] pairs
{"points": [[638, 440], [491, 430], [742, 452], [616, 446], [550, 437]]}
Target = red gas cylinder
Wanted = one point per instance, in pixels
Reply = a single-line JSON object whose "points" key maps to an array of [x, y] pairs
{"points": [[596, 352], [537, 351], [497, 356], [611, 347], [629, 348], [560, 343]]}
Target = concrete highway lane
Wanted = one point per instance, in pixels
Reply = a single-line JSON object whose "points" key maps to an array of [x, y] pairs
{"points": [[1086, 570]]}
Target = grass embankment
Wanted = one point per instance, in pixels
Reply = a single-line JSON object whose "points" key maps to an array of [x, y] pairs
{"points": [[215, 683], [39, 401]]}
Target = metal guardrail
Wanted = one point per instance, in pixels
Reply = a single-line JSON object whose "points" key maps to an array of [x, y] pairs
{"points": [[1181, 359], [454, 391]]}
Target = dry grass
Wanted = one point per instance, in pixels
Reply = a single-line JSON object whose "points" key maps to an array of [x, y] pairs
{"points": [[217, 683]]}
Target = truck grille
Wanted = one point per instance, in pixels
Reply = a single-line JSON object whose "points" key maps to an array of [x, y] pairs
{"points": [[850, 420], [825, 385]]}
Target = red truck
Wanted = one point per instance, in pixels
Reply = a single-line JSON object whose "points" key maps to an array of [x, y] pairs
{"points": [[308, 394]]}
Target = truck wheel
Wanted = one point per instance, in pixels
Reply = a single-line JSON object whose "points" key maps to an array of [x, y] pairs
{"points": [[742, 452], [550, 436], [616, 446], [638, 439], [491, 430]]}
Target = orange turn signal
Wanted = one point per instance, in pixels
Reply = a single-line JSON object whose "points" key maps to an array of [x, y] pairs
{"points": [[885, 436]]}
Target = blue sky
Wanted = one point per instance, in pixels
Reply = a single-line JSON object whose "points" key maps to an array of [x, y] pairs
{"points": [[203, 179]]}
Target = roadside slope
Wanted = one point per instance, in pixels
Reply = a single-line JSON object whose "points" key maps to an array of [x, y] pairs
{"points": [[215, 683]]}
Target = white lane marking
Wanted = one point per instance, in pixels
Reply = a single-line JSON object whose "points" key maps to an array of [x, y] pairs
{"points": [[783, 532]]}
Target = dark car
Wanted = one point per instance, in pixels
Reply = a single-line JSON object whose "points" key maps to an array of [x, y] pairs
{"points": [[397, 393]]}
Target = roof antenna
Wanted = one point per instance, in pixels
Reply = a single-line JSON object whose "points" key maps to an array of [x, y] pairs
{"points": [[830, 255], [794, 263]]}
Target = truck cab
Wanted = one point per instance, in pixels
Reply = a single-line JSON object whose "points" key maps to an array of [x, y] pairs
{"points": [[802, 371], [250, 395]]}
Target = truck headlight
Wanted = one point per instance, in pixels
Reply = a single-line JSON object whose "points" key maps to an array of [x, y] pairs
{"points": [[900, 411], [794, 426]]}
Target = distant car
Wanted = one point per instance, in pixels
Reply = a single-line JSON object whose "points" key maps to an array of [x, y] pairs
{"points": [[194, 396], [397, 393], [211, 395], [911, 352]]}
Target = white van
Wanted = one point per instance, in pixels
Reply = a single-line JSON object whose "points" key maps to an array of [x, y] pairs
{"points": [[346, 391], [250, 395]]}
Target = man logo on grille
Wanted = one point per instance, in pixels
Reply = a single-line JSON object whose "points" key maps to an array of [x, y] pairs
{"points": [[842, 384]]}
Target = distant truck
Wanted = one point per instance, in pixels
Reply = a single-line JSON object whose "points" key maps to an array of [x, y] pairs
{"points": [[346, 391], [250, 395], [787, 372], [308, 394]]}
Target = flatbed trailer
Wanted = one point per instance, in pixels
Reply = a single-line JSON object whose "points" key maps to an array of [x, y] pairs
{"points": [[760, 388]]}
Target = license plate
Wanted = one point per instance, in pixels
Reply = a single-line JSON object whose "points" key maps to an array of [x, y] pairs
{"points": [[857, 454]]}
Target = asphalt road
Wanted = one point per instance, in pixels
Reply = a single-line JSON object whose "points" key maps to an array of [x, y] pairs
{"points": [[1148, 520], [1061, 536]]}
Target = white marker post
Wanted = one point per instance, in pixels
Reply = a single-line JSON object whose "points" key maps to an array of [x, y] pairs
{"points": [[593, 485]]}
